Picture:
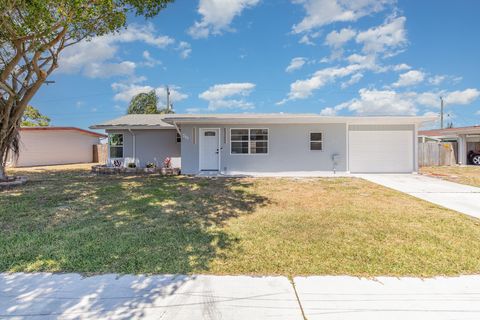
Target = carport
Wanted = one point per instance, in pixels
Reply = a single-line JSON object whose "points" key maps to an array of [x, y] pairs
{"points": [[467, 138]]}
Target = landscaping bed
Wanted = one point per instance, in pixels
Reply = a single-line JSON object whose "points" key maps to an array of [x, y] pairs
{"points": [[69, 220], [103, 169]]}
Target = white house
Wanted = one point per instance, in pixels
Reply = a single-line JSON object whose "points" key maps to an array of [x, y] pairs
{"points": [[268, 143]]}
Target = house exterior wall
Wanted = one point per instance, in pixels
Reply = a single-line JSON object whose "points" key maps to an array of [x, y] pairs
{"points": [[150, 146], [288, 149], [45, 147]]}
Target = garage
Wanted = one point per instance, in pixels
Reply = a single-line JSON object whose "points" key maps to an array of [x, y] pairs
{"points": [[381, 150]]}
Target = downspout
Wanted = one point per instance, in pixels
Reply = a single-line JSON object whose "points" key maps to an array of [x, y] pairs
{"points": [[176, 128], [134, 151]]}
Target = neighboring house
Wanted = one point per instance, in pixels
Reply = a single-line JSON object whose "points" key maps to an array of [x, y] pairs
{"points": [[467, 139], [54, 145], [267, 143]]}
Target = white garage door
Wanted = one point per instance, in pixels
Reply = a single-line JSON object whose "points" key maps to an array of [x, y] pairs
{"points": [[381, 151]]}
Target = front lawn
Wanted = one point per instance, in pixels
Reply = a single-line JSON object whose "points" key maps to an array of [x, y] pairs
{"points": [[71, 221], [461, 174]]}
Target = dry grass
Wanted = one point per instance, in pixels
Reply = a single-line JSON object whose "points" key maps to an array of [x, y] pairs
{"points": [[461, 174], [70, 220]]}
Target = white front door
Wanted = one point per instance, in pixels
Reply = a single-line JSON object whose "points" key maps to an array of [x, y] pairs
{"points": [[209, 149]]}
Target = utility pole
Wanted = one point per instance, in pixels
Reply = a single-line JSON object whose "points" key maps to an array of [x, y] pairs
{"points": [[168, 98], [441, 112]]}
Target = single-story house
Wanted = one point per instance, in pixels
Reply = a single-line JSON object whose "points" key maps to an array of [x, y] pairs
{"points": [[267, 143], [467, 139], [40, 146]]}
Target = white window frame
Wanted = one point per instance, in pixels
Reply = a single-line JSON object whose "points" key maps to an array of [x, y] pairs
{"points": [[110, 146], [310, 141], [249, 142], [178, 135]]}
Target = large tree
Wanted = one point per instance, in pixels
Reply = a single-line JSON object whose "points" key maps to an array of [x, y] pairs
{"points": [[33, 33], [146, 103], [33, 118]]}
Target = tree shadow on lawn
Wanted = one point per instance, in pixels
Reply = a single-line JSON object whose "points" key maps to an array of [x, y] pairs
{"points": [[77, 222]]}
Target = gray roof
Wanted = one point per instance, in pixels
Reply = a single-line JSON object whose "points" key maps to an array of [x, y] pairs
{"points": [[167, 121], [154, 121]]}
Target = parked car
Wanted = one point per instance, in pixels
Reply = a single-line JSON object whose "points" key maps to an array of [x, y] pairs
{"points": [[474, 158]]}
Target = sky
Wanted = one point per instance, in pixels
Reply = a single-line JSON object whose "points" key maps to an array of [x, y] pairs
{"points": [[328, 57]]}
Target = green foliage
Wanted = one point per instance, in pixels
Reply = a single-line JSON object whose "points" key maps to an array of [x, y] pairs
{"points": [[33, 118], [144, 103]]}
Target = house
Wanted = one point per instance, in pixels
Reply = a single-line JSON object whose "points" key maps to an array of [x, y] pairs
{"points": [[267, 143], [466, 139], [41, 146]]}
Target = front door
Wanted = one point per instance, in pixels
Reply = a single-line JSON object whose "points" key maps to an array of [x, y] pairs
{"points": [[209, 149]]}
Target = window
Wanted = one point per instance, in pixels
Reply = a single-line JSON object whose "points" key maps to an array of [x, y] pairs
{"points": [[115, 141], [210, 134], [179, 138], [249, 141], [316, 141]]}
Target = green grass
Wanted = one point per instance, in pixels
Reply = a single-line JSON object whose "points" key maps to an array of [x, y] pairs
{"points": [[72, 221], [460, 174]]}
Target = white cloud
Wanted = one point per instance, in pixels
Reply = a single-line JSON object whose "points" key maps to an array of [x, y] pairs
{"points": [[302, 89], [228, 96], [353, 79], [390, 102], [380, 102], [106, 70], [337, 39], [296, 64], [409, 78], [217, 15], [328, 112], [401, 67], [383, 38], [436, 80], [125, 92], [466, 96], [185, 49], [96, 58], [149, 60], [322, 12]]}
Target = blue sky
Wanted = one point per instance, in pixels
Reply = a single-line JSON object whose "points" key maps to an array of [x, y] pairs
{"points": [[333, 57]]}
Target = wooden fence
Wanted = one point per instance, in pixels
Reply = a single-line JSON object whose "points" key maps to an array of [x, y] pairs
{"points": [[437, 154], [100, 153]]}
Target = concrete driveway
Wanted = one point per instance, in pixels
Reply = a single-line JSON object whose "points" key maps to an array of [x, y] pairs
{"points": [[455, 196]]}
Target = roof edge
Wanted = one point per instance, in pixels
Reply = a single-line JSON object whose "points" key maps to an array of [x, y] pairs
{"points": [[95, 134]]}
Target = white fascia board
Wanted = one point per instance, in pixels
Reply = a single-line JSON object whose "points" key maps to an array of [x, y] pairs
{"points": [[127, 127], [303, 120]]}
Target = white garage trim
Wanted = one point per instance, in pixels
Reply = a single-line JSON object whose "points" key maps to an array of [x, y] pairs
{"points": [[381, 149]]}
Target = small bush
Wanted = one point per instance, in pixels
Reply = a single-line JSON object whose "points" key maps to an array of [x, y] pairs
{"points": [[132, 165]]}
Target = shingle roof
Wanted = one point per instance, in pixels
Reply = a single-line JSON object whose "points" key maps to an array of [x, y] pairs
{"points": [[135, 120], [450, 131]]}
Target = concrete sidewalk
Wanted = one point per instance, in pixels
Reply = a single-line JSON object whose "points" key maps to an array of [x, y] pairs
{"points": [[459, 197], [349, 298], [71, 296]]}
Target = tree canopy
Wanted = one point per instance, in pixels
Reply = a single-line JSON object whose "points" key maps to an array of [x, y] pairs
{"points": [[33, 118], [33, 33], [146, 103]]}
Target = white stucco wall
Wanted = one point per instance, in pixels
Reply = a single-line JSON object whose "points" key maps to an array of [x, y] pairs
{"points": [[49, 147], [288, 150]]}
